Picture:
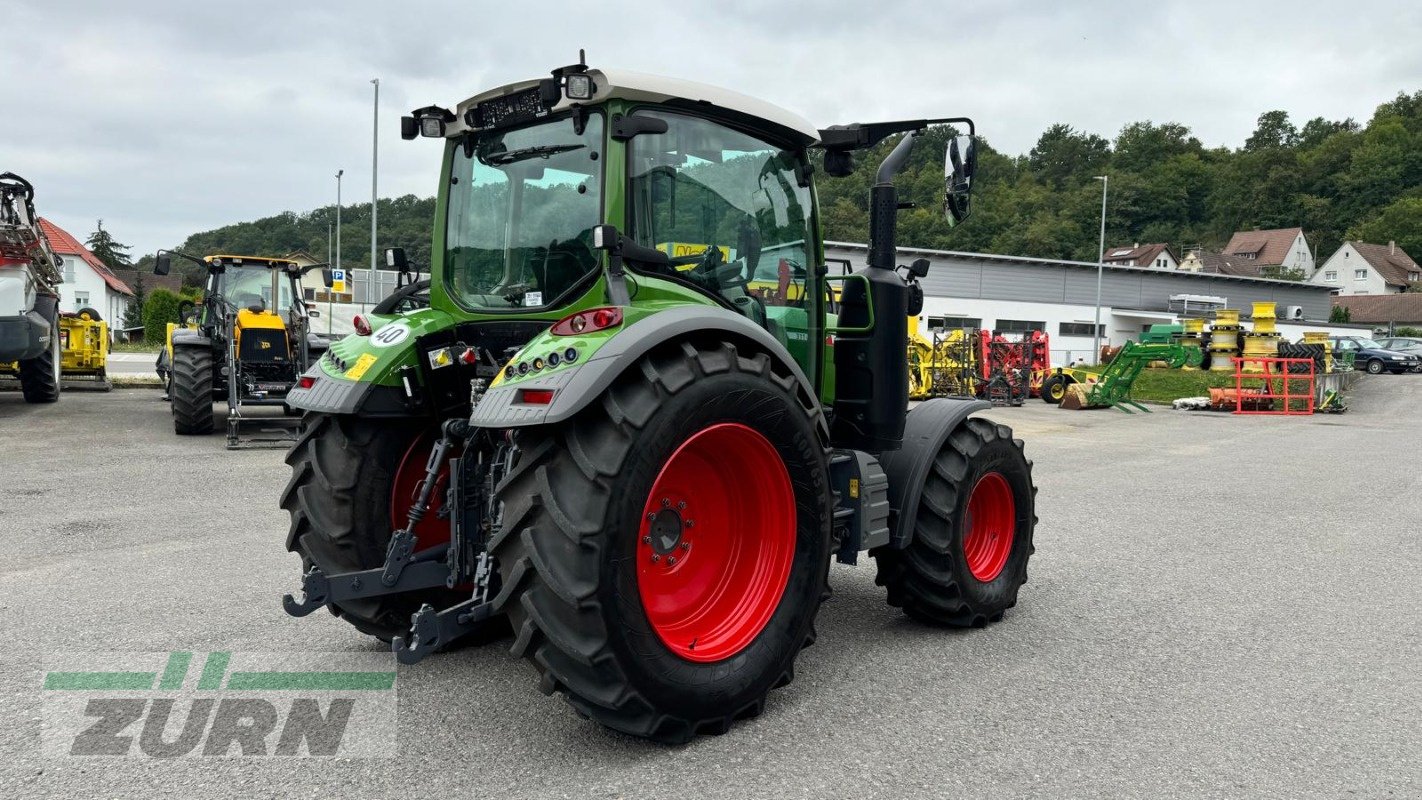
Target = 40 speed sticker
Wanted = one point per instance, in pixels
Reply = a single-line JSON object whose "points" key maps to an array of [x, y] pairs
{"points": [[390, 335]]}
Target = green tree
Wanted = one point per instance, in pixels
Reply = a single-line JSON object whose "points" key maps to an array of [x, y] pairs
{"points": [[160, 309], [133, 317], [1340, 314], [107, 249], [1400, 221]]}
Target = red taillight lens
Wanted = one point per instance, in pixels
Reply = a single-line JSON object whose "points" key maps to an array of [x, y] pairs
{"points": [[594, 319], [536, 397], [362, 327], [306, 382]]}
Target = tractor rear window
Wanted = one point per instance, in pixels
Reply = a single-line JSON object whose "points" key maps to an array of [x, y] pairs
{"points": [[521, 212]]}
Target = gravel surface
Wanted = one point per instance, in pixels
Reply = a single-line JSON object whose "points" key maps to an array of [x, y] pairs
{"points": [[1218, 607]]}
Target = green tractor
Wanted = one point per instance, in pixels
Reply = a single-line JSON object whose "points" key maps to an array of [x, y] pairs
{"points": [[638, 418]]}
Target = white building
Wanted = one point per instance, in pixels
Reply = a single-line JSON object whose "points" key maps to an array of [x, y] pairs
{"points": [[88, 282], [1272, 251], [1362, 268], [1142, 255], [1015, 294]]}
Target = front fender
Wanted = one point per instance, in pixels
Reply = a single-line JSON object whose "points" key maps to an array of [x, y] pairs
{"points": [[928, 426], [575, 387]]}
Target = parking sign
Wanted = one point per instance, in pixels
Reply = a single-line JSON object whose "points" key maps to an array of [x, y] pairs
{"points": [[338, 280]]}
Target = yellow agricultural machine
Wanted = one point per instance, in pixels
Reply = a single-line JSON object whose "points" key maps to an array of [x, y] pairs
{"points": [[944, 366], [83, 352]]}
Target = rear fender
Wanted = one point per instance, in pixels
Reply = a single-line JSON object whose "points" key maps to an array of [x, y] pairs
{"points": [[575, 387], [928, 426]]}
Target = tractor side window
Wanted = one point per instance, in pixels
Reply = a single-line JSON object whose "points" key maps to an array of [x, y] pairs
{"points": [[730, 212]]}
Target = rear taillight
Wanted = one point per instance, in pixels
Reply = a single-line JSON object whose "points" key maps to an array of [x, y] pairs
{"points": [[594, 319], [535, 397], [362, 327], [306, 382]]}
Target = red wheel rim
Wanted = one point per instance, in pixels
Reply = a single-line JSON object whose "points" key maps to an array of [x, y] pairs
{"points": [[716, 542], [990, 528], [431, 530]]}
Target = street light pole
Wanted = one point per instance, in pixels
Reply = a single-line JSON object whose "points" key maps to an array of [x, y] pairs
{"points": [[374, 170], [337, 264], [1100, 267]]}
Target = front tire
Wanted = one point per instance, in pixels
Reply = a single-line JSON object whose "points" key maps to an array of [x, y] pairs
{"points": [[972, 533], [190, 391], [1375, 367], [667, 647], [1053, 390], [39, 376]]}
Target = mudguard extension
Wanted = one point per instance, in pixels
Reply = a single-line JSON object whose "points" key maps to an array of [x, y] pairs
{"points": [[574, 389], [926, 429]]}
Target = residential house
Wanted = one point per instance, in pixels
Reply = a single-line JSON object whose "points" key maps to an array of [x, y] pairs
{"points": [[1363, 268], [88, 282], [1383, 311], [1272, 252], [1200, 259], [1139, 255]]}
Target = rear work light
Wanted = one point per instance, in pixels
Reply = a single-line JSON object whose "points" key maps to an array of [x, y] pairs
{"points": [[594, 319], [362, 327], [535, 397], [306, 382]]}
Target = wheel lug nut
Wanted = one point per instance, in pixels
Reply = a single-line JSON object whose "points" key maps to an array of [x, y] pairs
{"points": [[691, 523], [646, 540], [671, 561], [652, 516], [681, 505], [656, 558], [686, 545], [665, 502]]}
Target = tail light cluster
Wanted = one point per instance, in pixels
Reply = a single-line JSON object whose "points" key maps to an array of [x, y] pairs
{"points": [[590, 321], [362, 325]]}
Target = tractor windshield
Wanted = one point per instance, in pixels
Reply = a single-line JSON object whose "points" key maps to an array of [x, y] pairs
{"points": [[522, 208], [245, 287]]}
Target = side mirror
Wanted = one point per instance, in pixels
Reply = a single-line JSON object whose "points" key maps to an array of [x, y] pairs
{"points": [[959, 165], [919, 267], [312, 313], [327, 278], [395, 259], [163, 263]]}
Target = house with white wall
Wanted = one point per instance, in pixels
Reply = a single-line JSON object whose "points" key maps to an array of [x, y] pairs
{"points": [[88, 282], [1142, 255], [1272, 251], [1363, 268]]}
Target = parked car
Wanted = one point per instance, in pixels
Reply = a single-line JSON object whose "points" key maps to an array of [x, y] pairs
{"points": [[1373, 357]]}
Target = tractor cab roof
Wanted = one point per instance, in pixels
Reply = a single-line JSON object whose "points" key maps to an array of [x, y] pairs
{"points": [[251, 261], [611, 84]]}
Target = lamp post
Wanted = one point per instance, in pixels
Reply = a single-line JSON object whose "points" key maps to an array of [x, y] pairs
{"points": [[330, 298], [374, 169], [1100, 267]]}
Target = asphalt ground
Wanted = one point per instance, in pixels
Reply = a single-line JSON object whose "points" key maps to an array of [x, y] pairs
{"points": [[1219, 606]]}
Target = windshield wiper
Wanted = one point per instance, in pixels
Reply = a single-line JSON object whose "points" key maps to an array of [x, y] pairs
{"points": [[514, 156]]}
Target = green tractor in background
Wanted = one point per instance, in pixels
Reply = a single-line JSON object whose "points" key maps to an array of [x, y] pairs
{"points": [[638, 418]]}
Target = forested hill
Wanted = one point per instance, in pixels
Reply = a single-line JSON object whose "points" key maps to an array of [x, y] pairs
{"points": [[1337, 179]]}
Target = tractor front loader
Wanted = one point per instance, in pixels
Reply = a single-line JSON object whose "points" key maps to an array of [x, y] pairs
{"points": [[628, 426], [247, 343]]}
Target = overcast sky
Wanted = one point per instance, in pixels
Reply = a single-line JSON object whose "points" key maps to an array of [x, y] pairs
{"points": [[168, 118]]}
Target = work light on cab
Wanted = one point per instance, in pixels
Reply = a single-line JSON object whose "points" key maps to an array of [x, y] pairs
{"points": [[361, 324], [590, 321]]}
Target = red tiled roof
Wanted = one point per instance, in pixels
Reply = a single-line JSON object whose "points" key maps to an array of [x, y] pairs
{"points": [[1143, 255], [1392, 262], [1221, 264], [1268, 247], [66, 245], [1403, 308]]}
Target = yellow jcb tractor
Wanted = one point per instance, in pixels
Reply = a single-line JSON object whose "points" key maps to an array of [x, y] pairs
{"points": [[247, 343]]}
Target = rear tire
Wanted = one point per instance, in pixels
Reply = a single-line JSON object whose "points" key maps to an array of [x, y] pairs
{"points": [[1375, 367], [343, 474], [39, 376], [577, 570], [959, 569], [190, 391]]}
